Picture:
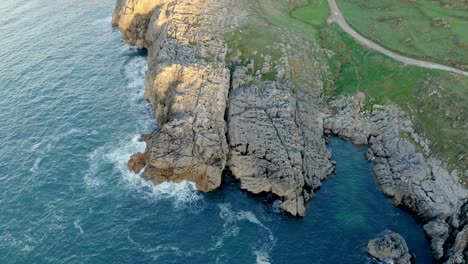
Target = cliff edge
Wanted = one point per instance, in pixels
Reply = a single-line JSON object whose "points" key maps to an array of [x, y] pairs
{"points": [[225, 101], [210, 116]]}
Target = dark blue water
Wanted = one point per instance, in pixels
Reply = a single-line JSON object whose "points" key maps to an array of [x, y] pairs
{"points": [[71, 108]]}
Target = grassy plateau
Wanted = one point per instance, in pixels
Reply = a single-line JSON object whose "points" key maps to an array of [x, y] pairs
{"points": [[425, 29], [436, 101]]}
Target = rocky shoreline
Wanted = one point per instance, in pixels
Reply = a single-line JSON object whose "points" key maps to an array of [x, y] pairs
{"points": [[216, 114], [210, 120], [420, 184]]}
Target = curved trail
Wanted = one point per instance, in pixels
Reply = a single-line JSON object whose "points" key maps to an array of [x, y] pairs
{"points": [[337, 16]]}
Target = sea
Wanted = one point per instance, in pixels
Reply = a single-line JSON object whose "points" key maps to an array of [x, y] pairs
{"points": [[71, 112]]}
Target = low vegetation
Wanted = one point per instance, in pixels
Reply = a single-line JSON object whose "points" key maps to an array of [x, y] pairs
{"points": [[427, 29], [437, 101]]}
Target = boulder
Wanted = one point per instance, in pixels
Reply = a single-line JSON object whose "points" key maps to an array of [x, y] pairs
{"points": [[137, 162], [391, 246]]}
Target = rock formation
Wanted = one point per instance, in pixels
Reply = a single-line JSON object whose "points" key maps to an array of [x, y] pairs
{"points": [[275, 140], [391, 247], [265, 125], [275, 143], [413, 181], [186, 83], [137, 162]]}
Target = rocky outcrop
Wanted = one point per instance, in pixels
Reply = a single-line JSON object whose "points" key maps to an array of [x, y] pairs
{"points": [[132, 17], [414, 181], [267, 129], [137, 162], [275, 139], [276, 144], [274, 147], [458, 252], [187, 84], [390, 247]]}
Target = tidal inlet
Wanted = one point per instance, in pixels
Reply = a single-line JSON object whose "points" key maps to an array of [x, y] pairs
{"points": [[234, 131]]}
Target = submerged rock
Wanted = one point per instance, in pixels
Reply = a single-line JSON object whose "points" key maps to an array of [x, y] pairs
{"points": [[392, 247]]}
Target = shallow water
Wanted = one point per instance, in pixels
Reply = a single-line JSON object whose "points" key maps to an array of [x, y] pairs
{"points": [[71, 110]]}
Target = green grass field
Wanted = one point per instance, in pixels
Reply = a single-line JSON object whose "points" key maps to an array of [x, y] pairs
{"points": [[437, 101], [315, 13], [425, 29]]}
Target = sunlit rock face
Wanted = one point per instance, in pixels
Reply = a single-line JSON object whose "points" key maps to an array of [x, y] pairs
{"points": [[199, 109], [187, 84]]}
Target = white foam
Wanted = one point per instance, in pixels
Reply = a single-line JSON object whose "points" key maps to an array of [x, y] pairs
{"points": [[134, 72], [107, 22], [183, 194], [276, 206], [35, 166], [92, 182], [77, 225], [119, 153], [262, 256], [231, 218]]}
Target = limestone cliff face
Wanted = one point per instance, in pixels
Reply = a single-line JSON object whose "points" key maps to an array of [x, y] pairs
{"points": [[275, 140], [132, 17], [273, 144], [268, 131], [187, 84]]}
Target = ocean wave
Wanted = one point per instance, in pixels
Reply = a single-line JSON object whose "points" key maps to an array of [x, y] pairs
{"points": [[182, 194], [35, 167], [105, 22], [134, 71], [77, 225], [262, 256], [230, 229]]}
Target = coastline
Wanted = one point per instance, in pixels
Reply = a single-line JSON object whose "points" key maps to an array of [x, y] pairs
{"points": [[418, 183], [201, 109]]}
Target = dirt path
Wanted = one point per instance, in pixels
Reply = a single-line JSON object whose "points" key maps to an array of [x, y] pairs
{"points": [[337, 16]]}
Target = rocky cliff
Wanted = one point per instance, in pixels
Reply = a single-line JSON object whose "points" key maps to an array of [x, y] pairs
{"points": [[187, 84], [261, 118], [407, 173], [209, 117]]}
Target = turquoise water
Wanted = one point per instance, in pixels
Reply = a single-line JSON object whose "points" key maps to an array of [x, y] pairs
{"points": [[71, 109]]}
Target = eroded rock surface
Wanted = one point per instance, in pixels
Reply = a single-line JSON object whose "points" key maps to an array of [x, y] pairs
{"points": [[137, 162], [391, 246], [276, 144], [187, 85], [275, 139], [414, 181], [272, 140]]}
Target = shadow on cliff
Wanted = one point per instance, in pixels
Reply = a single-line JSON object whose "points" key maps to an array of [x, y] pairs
{"points": [[266, 202]]}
